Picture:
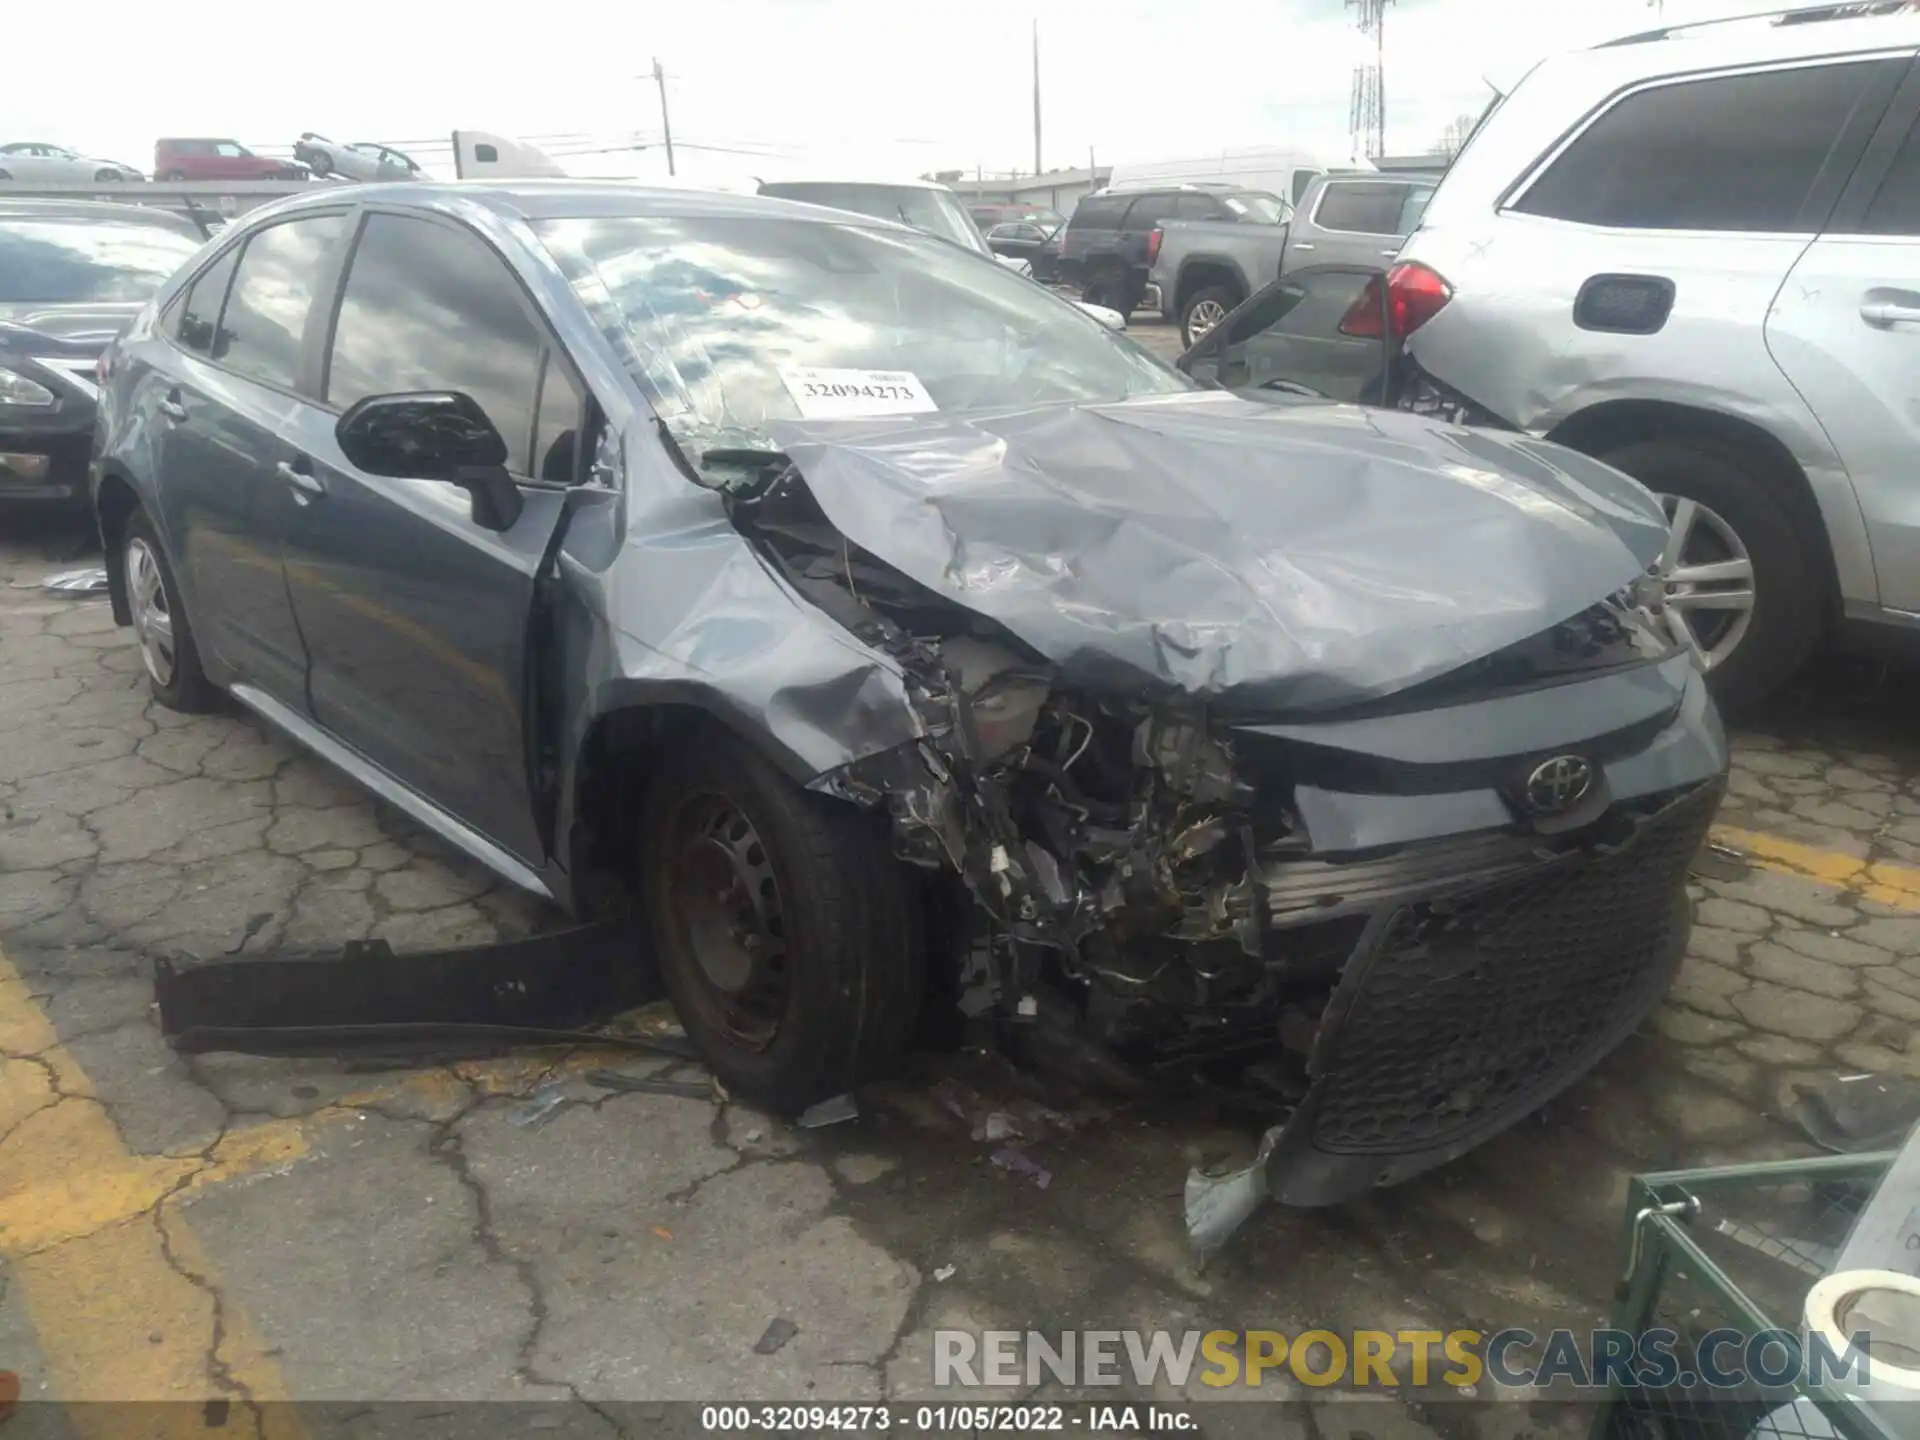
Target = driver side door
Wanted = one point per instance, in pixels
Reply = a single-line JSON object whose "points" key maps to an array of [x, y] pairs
{"points": [[416, 613], [1319, 332]]}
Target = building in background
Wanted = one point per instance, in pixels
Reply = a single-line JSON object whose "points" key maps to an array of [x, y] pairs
{"points": [[1054, 189]]}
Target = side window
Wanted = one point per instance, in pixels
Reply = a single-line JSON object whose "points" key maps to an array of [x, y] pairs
{"points": [[228, 148], [1301, 180], [1364, 207], [1412, 206], [430, 307], [1740, 152], [1099, 213], [200, 312], [1198, 207], [1896, 209], [266, 312], [1149, 210]]}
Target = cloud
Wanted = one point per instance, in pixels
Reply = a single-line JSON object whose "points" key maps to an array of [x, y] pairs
{"points": [[856, 87]]}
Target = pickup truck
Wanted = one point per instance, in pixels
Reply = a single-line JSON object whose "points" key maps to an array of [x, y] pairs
{"points": [[1202, 269]]}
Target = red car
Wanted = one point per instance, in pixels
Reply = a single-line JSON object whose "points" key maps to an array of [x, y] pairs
{"points": [[218, 160]]}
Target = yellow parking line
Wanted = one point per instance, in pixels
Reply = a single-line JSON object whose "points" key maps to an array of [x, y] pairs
{"points": [[1895, 885], [118, 1287]]}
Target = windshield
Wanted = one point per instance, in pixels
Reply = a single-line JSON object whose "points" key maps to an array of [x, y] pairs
{"points": [[730, 322], [935, 211], [1256, 206], [63, 262]]}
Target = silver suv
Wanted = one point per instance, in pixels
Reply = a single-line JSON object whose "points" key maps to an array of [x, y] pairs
{"points": [[1695, 253]]}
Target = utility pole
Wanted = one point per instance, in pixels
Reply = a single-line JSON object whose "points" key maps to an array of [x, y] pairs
{"points": [[1093, 175], [1036, 97], [666, 125]]}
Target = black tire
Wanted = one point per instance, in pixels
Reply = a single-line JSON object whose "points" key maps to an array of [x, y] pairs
{"points": [[850, 950], [187, 689], [105, 175], [1789, 610], [1112, 286], [175, 176], [321, 165], [1216, 294]]}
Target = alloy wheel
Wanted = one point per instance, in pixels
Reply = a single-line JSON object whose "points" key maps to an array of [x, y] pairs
{"points": [[1704, 580], [152, 619], [1202, 318]]}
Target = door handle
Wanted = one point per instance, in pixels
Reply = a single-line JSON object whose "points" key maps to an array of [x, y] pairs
{"points": [[173, 410], [299, 479], [1882, 313], [1303, 244]]}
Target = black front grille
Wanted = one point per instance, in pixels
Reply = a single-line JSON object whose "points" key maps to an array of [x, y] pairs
{"points": [[1472, 1011]]}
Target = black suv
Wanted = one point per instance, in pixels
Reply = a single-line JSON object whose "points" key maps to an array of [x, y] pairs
{"points": [[1104, 250]]}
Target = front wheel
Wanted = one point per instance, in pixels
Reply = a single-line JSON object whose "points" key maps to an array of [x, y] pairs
{"points": [[1739, 579], [785, 932]]}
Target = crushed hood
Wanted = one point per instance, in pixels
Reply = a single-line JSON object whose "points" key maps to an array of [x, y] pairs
{"points": [[1290, 557]]}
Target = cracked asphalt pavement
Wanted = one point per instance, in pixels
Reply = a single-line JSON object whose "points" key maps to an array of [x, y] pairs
{"points": [[252, 1230]]}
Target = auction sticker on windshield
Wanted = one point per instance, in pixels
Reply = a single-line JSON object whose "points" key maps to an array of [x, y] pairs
{"points": [[836, 394]]}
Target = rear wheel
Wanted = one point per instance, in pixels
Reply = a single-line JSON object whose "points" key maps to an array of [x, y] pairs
{"points": [[1204, 309], [175, 175], [785, 932], [106, 175], [160, 624], [1739, 579], [320, 163], [1113, 287]]}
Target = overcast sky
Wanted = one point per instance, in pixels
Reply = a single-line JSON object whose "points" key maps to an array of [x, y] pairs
{"points": [[855, 87]]}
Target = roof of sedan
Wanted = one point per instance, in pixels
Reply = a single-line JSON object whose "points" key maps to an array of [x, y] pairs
{"points": [[32, 208], [580, 199]]}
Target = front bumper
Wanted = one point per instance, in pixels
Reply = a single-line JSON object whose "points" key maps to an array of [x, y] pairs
{"points": [[1495, 965], [1457, 1016]]}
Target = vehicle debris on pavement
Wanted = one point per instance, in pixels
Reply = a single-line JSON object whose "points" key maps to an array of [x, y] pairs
{"points": [[1017, 1163], [778, 1332], [1858, 1114], [649, 1085], [835, 1111], [69, 582]]}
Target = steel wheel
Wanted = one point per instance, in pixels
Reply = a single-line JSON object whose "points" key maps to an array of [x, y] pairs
{"points": [[152, 620], [1202, 318], [1705, 580], [727, 903]]}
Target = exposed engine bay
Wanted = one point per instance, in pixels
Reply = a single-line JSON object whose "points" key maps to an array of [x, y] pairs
{"points": [[1127, 855], [1392, 872]]}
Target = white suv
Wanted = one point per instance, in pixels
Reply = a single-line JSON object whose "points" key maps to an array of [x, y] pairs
{"points": [[1695, 253]]}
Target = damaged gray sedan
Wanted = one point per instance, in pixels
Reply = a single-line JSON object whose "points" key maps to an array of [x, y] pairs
{"points": [[886, 634]]}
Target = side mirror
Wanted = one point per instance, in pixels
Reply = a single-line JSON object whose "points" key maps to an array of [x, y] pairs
{"points": [[434, 435], [1112, 319]]}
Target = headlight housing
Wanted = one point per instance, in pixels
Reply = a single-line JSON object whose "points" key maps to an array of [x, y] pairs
{"points": [[17, 390]]}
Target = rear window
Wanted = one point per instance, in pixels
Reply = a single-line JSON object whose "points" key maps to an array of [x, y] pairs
{"points": [[1364, 207], [70, 262], [1099, 212]]}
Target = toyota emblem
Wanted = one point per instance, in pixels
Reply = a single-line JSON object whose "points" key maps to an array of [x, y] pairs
{"points": [[1559, 784]]}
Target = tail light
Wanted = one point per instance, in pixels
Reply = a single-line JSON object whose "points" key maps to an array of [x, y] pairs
{"points": [[1415, 294], [1154, 238]]}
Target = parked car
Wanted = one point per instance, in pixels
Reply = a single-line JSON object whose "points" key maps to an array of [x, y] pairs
{"points": [[987, 215], [177, 159], [919, 203], [1285, 173], [1694, 254], [1107, 247], [1031, 241], [72, 273], [363, 160], [1203, 268], [927, 207], [938, 642], [36, 162]]}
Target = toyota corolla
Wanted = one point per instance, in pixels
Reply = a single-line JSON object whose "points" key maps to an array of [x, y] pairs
{"points": [[878, 631]]}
